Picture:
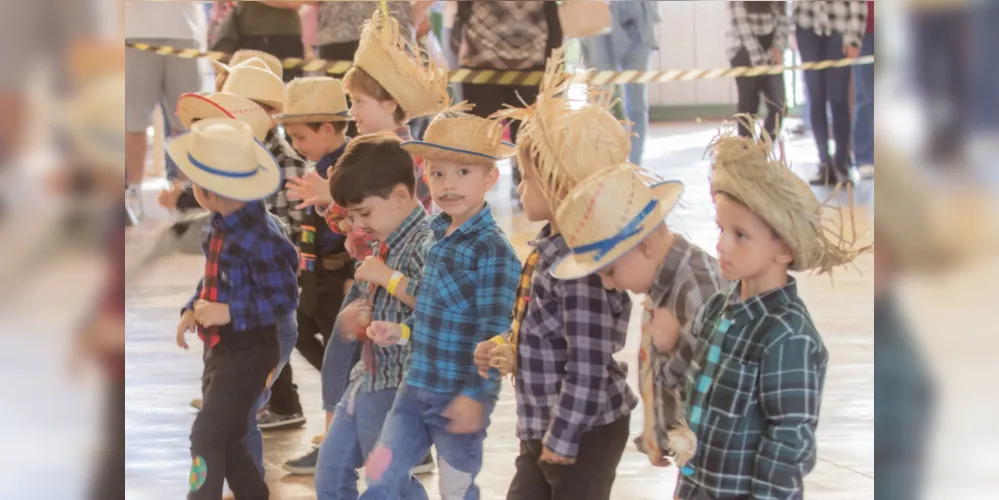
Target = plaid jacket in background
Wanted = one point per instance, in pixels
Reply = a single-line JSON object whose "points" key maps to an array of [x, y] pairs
{"points": [[825, 17], [291, 166], [756, 425], [746, 28]]}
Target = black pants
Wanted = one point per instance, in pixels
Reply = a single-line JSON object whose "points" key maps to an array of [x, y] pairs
{"points": [[827, 87], [341, 52], [771, 87], [940, 64], [280, 46], [235, 375], [590, 478]]}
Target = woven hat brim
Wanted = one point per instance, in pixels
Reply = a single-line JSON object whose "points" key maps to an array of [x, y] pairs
{"points": [[315, 118], [575, 266], [263, 184], [439, 152]]}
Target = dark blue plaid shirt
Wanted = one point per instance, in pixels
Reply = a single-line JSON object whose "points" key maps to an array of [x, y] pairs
{"points": [[465, 297], [257, 267]]}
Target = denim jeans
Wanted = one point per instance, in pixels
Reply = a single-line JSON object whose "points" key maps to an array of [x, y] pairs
{"points": [[863, 110], [413, 425], [287, 336], [827, 87], [341, 356], [356, 427]]}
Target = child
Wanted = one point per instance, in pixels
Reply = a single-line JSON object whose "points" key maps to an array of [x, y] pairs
{"points": [[465, 296], [249, 285], [374, 182]]}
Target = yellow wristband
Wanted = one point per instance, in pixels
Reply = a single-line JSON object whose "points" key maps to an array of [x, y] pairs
{"points": [[498, 340], [404, 337], [394, 282]]}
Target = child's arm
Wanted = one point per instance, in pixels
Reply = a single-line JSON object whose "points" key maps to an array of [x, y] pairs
{"points": [[665, 330], [790, 390], [273, 275]]}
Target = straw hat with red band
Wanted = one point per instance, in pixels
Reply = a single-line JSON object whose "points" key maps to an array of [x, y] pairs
{"points": [[608, 214], [257, 83], [463, 139], [201, 106], [221, 156], [314, 99], [271, 62]]}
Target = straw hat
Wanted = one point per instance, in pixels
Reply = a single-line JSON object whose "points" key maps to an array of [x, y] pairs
{"points": [[744, 169], [94, 121], [221, 155], [419, 87], [608, 214], [463, 139], [256, 83], [224, 105], [314, 99], [271, 63]]}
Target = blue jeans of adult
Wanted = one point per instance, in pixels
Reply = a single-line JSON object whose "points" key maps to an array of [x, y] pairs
{"points": [[340, 357], [413, 425], [352, 436], [830, 87], [863, 110], [287, 336]]}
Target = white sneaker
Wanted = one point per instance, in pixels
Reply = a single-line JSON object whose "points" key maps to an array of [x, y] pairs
{"points": [[133, 203], [866, 172]]}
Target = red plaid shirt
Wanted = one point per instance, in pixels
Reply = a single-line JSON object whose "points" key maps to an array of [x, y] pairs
{"points": [[210, 289]]}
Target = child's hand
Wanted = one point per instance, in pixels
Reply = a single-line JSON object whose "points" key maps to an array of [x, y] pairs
{"points": [[187, 325], [312, 189], [211, 313], [466, 414], [483, 353], [554, 458], [373, 270], [349, 325], [665, 330], [385, 333], [168, 197]]}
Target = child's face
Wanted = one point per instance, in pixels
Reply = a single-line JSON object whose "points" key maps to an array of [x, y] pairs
{"points": [[460, 189], [379, 216], [371, 115], [208, 201], [747, 246], [313, 144], [634, 271], [534, 201]]}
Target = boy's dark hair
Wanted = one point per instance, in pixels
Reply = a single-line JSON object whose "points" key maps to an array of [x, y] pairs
{"points": [[358, 80], [372, 165], [338, 127]]}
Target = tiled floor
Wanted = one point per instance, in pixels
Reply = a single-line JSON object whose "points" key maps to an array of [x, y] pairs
{"points": [[162, 378]]}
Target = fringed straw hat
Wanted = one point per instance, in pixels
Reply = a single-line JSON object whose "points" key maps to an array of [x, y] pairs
{"points": [[314, 99], [745, 169], [568, 145], [463, 139], [223, 105], [608, 214], [252, 81], [271, 63], [417, 84]]}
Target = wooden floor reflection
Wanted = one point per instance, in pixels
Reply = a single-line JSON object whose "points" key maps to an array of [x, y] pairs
{"points": [[162, 379]]}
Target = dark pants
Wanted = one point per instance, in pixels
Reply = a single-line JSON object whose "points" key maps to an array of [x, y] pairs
{"points": [[235, 375], [590, 478], [771, 87], [280, 46], [341, 52], [828, 86], [941, 67]]}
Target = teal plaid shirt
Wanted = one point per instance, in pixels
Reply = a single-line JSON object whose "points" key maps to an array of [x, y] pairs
{"points": [[407, 250], [753, 391]]}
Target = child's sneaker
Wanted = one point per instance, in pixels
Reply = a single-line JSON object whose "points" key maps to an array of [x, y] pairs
{"points": [[268, 420], [305, 465], [425, 467]]}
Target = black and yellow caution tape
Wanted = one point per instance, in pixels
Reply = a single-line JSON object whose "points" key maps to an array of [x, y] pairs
{"points": [[498, 77]]}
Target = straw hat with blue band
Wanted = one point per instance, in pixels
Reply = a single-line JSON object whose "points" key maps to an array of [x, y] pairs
{"points": [[314, 99], [463, 139], [222, 156], [608, 214]]}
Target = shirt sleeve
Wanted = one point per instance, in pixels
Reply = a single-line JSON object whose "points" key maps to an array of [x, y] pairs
{"points": [[414, 265], [291, 166], [856, 23], [197, 293], [740, 24], [497, 274], [790, 389], [274, 281], [592, 319]]}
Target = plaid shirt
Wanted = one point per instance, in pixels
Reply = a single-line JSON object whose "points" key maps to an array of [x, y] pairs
{"points": [[291, 166], [747, 28], [257, 268], [407, 250], [567, 379], [755, 417], [465, 297], [825, 17], [422, 188]]}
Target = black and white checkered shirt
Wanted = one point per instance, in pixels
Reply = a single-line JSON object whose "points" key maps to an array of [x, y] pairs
{"points": [[291, 165], [567, 380], [848, 18], [746, 28]]}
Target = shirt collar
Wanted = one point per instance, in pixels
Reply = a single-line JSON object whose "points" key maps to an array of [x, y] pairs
{"points": [[328, 160], [478, 221], [414, 218], [242, 218], [550, 246], [765, 303], [668, 272]]}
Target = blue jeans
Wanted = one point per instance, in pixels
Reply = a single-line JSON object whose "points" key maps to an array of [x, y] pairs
{"points": [[357, 424], [413, 425], [340, 357], [287, 336], [863, 111], [828, 87]]}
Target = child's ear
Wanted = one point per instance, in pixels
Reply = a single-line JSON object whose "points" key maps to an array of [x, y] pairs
{"points": [[400, 194], [784, 254], [492, 177]]}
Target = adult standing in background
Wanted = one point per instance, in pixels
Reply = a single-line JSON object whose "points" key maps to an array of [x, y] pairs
{"points": [[831, 29], [272, 27], [863, 110], [152, 79], [628, 46], [758, 37]]}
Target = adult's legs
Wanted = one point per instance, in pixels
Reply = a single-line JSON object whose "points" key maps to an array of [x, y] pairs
{"points": [[838, 94], [748, 89], [812, 48], [863, 114], [636, 98], [144, 80], [774, 93]]}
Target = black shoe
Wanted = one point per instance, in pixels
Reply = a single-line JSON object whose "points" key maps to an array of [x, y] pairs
{"points": [[824, 177]]}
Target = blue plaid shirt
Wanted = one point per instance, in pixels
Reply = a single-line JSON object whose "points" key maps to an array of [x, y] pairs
{"points": [[465, 297], [257, 268]]}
